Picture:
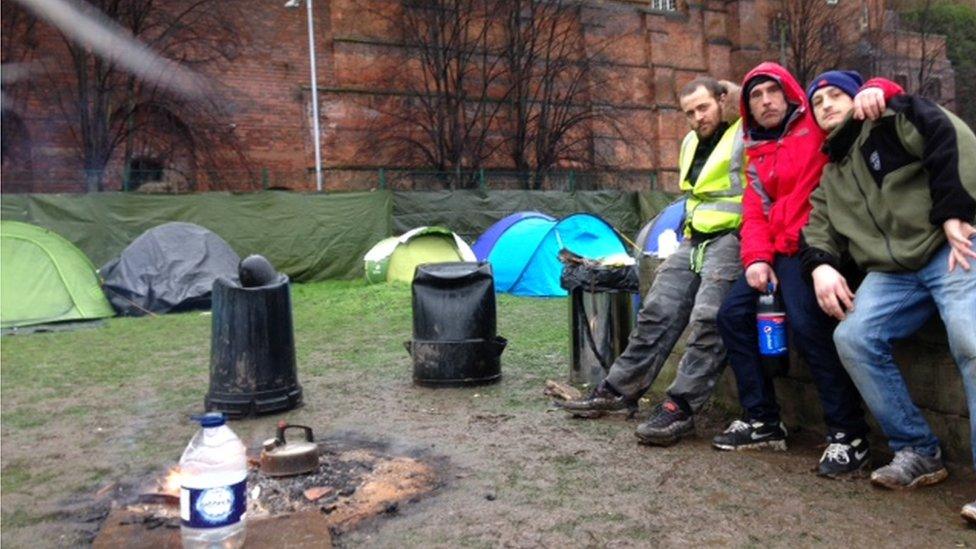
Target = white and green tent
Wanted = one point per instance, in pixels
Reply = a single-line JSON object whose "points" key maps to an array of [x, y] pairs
{"points": [[396, 257], [45, 279]]}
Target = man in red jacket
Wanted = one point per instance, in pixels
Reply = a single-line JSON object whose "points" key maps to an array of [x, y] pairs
{"points": [[783, 143]]}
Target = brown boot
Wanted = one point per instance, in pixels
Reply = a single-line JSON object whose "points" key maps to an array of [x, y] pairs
{"points": [[601, 401]]}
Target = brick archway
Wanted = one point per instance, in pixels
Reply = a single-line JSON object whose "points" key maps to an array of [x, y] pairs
{"points": [[161, 153]]}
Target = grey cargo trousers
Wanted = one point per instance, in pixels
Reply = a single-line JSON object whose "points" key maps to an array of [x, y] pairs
{"points": [[679, 297]]}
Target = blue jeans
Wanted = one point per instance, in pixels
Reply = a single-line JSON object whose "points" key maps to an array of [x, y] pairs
{"points": [[891, 306], [811, 330]]}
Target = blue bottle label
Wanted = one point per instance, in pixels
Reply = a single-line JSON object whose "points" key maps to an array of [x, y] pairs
{"points": [[772, 334], [214, 507]]}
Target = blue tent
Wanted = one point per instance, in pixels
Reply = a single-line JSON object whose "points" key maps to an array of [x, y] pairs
{"points": [[672, 217], [483, 245], [524, 255]]}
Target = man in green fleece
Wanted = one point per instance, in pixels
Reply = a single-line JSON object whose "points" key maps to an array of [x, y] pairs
{"points": [[899, 196]]}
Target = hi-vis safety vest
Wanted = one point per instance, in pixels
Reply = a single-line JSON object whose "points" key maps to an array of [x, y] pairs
{"points": [[715, 199]]}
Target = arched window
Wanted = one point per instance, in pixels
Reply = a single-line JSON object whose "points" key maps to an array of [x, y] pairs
{"points": [[161, 153], [143, 170]]}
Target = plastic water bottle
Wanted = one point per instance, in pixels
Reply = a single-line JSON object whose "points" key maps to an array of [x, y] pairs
{"points": [[771, 325], [213, 486], [667, 243]]}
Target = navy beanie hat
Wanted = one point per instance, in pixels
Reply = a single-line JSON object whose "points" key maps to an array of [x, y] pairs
{"points": [[847, 81]]}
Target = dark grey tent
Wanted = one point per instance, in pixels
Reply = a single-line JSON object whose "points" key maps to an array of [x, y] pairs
{"points": [[169, 268]]}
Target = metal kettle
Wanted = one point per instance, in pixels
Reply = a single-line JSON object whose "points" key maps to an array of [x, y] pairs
{"points": [[280, 458]]}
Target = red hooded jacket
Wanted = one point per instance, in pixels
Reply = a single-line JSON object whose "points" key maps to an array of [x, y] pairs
{"points": [[783, 172]]}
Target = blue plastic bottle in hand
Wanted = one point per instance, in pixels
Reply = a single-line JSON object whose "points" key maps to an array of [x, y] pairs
{"points": [[213, 486], [771, 325]]}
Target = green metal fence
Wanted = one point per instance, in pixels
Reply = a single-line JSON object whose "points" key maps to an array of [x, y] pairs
{"points": [[167, 180]]}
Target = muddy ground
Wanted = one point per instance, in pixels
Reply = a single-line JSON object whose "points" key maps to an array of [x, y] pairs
{"points": [[513, 471], [537, 478]]}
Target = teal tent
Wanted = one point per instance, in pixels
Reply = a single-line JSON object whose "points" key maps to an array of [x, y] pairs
{"points": [[524, 254]]}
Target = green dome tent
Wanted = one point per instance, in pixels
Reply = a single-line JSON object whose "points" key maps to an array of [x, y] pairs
{"points": [[396, 257], [45, 279]]}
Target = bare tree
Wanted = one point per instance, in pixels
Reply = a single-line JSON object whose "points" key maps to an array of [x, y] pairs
{"points": [[18, 39], [485, 81], [950, 27], [449, 112], [553, 78], [924, 47], [110, 111], [901, 43], [18, 44], [811, 36]]}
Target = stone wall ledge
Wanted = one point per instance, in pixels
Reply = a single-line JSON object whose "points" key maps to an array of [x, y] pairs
{"points": [[933, 379]]}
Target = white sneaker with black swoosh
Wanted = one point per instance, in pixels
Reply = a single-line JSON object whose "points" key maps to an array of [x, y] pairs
{"points": [[846, 456], [754, 435]]}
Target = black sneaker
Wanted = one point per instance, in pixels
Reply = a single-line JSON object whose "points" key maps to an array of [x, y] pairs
{"points": [[751, 436], [845, 457], [602, 400], [667, 424]]}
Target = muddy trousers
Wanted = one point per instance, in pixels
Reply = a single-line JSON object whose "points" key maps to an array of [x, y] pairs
{"points": [[812, 335], [679, 298]]}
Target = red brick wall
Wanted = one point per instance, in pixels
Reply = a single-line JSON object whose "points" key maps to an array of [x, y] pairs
{"points": [[650, 55]]}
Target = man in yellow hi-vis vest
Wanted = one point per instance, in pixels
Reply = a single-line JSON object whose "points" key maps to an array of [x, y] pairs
{"points": [[692, 281]]}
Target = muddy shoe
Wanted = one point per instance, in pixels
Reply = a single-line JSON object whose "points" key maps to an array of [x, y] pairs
{"points": [[910, 469], [845, 457], [754, 435], [667, 424], [969, 512], [602, 400]]}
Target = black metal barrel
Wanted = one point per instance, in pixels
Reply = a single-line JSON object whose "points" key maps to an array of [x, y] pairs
{"points": [[252, 350], [454, 325], [601, 315], [599, 328]]}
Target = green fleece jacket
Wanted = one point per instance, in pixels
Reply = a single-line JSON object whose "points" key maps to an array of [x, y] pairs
{"points": [[889, 186]]}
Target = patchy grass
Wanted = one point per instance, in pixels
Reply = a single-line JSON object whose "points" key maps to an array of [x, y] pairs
{"points": [[84, 409], [121, 394], [20, 518]]}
